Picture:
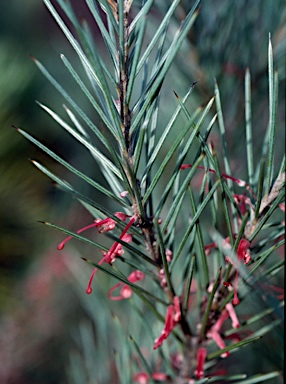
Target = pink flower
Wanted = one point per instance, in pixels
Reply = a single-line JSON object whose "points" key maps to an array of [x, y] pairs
{"points": [[126, 291], [173, 316], [243, 251], [124, 193], [223, 316], [242, 201], [115, 250], [163, 279], [159, 376], [105, 225], [213, 334], [243, 254], [201, 358], [239, 182], [143, 377], [209, 247], [169, 255]]}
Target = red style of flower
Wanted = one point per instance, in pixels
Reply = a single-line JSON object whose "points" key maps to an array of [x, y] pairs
{"points": [[105, 225], [115, 250], [173, 316], [239, 182], [232, 315], [201, 358], [214, 334]]}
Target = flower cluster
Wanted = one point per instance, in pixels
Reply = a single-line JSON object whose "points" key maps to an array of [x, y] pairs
{"points": [[116, 249], [243, 255]]}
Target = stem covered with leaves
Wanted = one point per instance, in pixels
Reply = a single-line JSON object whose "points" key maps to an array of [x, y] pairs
{"points": [[187, 233]]}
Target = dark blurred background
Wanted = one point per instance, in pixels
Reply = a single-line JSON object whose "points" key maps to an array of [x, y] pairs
{"points": [[38, 304]]}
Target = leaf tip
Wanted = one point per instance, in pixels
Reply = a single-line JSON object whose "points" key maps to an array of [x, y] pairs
{"points": [[176, 95]]}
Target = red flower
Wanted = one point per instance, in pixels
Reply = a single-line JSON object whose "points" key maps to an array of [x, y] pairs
{"points": [[143, 377], [115, 250], [126, 290], [239, 182], [243, 251], [242, 201], [173, 316], [232, 315], [243, 254], [213, 333], [201, 358], [105, 225]]}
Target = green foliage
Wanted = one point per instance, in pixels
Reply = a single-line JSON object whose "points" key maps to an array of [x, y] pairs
{"points": [[221, 231]]}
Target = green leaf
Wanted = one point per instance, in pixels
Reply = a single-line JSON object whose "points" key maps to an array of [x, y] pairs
{"points": [[96, 74], [164, 258], [248, 126], [155, 83], [259, 378], [161, 30], [97, 153], [273, 96], [69, 167], [210, 300], [200, 209], [238, 345], [144, 362]]}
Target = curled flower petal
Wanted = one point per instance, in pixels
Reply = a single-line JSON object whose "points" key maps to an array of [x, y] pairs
{"points": [[141, 378], [243, 251], [127, 238], [105, 225], [126, 290], [136, 276], [121, 215]]}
